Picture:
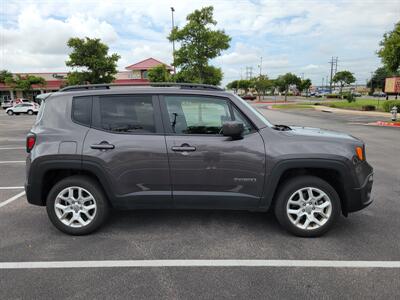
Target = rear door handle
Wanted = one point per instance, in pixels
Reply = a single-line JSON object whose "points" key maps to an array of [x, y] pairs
{"points": [[183, 148], [103, 146]]}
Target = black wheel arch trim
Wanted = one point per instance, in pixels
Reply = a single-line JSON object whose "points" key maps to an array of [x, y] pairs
{"points": [[40, 166], [272, 180]]}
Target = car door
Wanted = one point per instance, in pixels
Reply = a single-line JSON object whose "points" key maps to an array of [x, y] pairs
{"points": [[18, 108], [128, 144], [25, 107], [209, 170]]}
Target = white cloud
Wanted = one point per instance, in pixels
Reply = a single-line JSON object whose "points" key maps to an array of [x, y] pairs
{"points": [[297, 36], [38, 42], [310, 67]]}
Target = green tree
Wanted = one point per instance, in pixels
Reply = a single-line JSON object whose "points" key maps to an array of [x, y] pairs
{"points": [[4, 74], [245, 85], [91, 61], [305, 84], [283, 82], [233, 85], [344, 78], [198, 44], [390, 49], [261, 84], [377, 80], [24, 83], [159, 73]]}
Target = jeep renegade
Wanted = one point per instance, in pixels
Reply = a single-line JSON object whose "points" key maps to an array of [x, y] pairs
{"points": [[186, 146]]}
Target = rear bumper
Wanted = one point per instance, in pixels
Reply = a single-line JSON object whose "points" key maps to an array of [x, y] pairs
{"points": [[33, 195]]}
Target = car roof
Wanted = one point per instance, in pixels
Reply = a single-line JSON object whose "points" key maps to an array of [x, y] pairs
{"points": [[142, 89]]}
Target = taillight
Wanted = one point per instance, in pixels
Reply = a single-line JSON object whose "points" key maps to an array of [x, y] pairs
{"points": [[30, 142]]}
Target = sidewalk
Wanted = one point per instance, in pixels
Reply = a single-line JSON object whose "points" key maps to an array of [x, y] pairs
{"points": [[352, 112]]}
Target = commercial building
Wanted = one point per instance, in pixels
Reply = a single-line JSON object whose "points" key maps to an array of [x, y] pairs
{"points": [[135, 73]]}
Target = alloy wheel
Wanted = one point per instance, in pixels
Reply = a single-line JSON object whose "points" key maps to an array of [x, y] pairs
{"points": [[309, 208], [75, 207]]}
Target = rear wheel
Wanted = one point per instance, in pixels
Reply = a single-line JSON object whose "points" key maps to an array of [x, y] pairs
{"points": [[10, 112], [307, 206], [30, 112], [77, 205]]}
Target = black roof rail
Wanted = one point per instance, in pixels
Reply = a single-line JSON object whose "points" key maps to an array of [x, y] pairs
{"points": [[106, 86]]}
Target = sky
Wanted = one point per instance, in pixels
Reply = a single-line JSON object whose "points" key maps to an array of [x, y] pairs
{"points": [[290, 36]]}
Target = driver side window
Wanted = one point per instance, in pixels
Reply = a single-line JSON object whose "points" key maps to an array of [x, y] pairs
{"points": [[201, 115]]}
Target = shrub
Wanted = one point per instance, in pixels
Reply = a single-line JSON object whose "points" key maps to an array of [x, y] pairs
{"points": [[349, 97], [368, 107], [388, 104]]}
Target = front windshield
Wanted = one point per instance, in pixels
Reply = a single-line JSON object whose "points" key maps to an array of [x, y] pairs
{"points": [[256, 112]]}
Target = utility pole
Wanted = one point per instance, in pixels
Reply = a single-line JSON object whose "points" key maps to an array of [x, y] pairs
{"points": [[322, 86], [372, 82], [249, 73], [260, 66], [333, 63], [173, 41]]}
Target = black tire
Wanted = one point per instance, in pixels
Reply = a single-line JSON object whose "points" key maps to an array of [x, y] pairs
{"points": [[30, 112], [289, 188], [92, 187], [10, 112]]}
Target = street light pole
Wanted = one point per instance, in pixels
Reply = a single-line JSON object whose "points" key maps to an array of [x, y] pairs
{"points": [[173, 40]]}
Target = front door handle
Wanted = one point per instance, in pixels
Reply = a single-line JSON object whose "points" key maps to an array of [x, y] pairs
{"points": [[103, 146], [183, 148]]}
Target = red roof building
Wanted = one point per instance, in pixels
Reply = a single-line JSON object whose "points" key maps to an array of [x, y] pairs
{"points": [[136, 73]]}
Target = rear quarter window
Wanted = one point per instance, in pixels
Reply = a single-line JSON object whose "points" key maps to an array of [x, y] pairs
{"points": [[82, 110], [125, 114]]}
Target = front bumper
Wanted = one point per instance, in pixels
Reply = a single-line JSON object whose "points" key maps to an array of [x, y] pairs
{"points": [[361, 197]]}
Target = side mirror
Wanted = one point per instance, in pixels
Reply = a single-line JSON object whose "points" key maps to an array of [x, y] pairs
{"points": [[233, 129]]}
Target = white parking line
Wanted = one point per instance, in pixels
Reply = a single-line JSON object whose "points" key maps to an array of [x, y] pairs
{"points": [[11, 187], [11, 148], [200, 263], [4, 203], [12, 161]]}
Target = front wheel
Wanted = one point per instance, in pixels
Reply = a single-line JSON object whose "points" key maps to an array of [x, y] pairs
{"points": [[307, 206], [77, 205], [10, 112]]}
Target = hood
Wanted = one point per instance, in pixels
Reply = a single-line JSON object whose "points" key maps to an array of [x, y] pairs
{"points": [[317, 132]]}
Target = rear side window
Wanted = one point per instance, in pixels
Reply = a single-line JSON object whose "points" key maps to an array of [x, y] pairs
{"points": [[126, 114], [82, 110]]}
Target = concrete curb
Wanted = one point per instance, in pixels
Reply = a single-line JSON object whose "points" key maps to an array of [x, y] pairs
{"points": [[385, 124], [352, 112]]}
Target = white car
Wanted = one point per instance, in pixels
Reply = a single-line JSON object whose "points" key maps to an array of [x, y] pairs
{"points": [[6, 104], [23, 108]]}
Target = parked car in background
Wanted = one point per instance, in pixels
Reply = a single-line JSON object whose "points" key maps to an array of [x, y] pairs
{"points": [[23, 108], [248, 97], [7, 103], [356, 94], [379, 94], [21, 100]]}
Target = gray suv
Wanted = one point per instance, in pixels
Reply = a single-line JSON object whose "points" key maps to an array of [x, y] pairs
{"points": [[186, 146]]}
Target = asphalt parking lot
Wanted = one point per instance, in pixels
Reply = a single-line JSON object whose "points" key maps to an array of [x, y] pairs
{"points": [[373, 234]]}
